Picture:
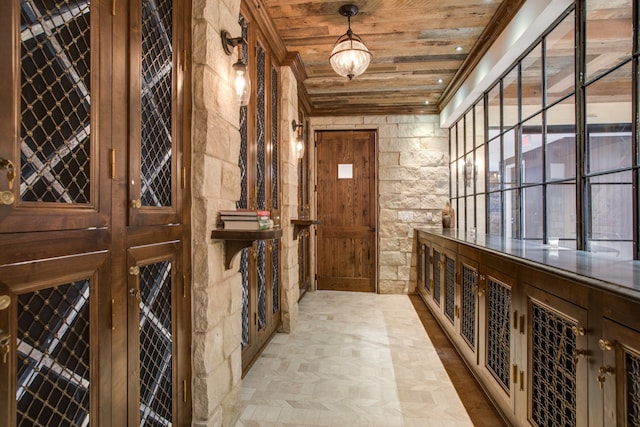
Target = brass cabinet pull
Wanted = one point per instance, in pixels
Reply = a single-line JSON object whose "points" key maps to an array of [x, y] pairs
{"points": [[136, 294], [135, 204], [521, 380], [605, 344], [134, 270], [577, 353], [7, 197], [604, 371], [5, 345], [578, 331], [5, 302]]}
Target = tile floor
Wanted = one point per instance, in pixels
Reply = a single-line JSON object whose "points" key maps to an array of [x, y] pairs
{"points": [[357, 359]]}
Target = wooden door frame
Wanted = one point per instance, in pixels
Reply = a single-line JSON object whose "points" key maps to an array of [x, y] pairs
{"points": [[314, 176]]}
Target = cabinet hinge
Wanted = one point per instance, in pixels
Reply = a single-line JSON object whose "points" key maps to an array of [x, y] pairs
{"points": [[255, 318], [514, 374], [184, 286], [184, 177], [112, 161], [113, 315], [184, 390], [113, 7]]}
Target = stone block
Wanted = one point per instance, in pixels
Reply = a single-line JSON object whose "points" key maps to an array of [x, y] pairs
{"points": [[388, 272], [392, 259], [207, 351]]}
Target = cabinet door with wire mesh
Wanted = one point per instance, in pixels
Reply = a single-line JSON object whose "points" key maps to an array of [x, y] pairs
{"points": [[156, 295], [154, 132], [52, 115], [54, 327]]}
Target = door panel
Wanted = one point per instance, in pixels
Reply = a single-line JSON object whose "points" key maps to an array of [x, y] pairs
{"points": [[58, 329], [50, 123], [346, 210], [153, 338]]}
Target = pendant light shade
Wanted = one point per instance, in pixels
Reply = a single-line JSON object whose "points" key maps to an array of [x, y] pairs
{"points": [[350, 57]]}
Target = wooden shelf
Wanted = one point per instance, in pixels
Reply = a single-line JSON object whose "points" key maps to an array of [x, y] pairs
{"points": [[236, 240], [301, 224]]}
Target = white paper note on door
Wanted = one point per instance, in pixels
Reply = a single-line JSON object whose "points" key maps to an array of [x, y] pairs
{"points": [[345, 171]]}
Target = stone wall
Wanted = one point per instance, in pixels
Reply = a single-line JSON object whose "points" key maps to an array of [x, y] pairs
{"points": [[215, 180], [413, 183]]}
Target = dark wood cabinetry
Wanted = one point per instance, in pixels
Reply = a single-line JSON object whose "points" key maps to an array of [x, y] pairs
{"points": [[551, 347]]}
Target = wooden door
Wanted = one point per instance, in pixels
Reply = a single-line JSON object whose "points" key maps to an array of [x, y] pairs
{"points": [[346, 180], [94, 169]]}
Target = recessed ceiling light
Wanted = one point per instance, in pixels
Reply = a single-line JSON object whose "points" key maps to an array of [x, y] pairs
{"points": [[427, 102], [458, 48], [440, 80]]}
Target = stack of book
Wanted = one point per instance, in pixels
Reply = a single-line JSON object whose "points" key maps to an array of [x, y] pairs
{"points": [[242, 219]]}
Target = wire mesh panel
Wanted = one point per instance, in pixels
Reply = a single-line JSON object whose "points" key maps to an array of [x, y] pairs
{"points": [[426, 268], [53, 348], [260, 128], [275, 275], [55, 120], [436, 277], [262, 284], [274, 138], [553, 381], [244, 271], [632, 362], [449, 287], [155, 337], [156, 97], [468, 305], [499, 332], [242, 159]]}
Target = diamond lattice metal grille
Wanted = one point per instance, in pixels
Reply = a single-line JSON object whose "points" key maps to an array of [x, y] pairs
{"points": [[499, 332], [156, 97], [553, 379], [436, 277], [274, 138], [427, 269], [261, 123], [244, 271], [468, 318], [53, 356], [155, 344], [242, 160], [55, 97], [449, 290], [262, 284], [632, 362], [275, 274]]}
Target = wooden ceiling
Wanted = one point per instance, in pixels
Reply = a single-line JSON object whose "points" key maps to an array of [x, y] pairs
{"points": [[413, 43]]}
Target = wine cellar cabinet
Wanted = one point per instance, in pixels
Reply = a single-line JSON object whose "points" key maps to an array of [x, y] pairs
{"points": [[548, 348]]}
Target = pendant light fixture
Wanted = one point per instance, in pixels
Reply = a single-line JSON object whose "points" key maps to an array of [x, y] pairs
{"points": [[350, 57]]}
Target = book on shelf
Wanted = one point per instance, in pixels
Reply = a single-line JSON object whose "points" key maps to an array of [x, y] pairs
{"points": [[241, 225], [245, 213]]}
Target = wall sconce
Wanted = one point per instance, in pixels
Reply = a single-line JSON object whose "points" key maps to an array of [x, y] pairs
{"points": [[299, 139], [349, 57], [241, 81]]}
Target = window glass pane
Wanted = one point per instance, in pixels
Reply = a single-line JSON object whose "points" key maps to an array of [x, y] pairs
{"points": [[511, 214], [609, 34], [510, 165], [560, 60], [461, 178], [495, 213], [494, 173], [469, 173], [531, 86], [479, 170], [532, 213], [454, 179], [460, 214], [610, 203], [609, 121], [493, 102], [468, 126], [471, 215], [479, 124], [452, 142], [561, 211], [561, 141], [481, 214], [532, 150], [460, 142], [510, 103]]}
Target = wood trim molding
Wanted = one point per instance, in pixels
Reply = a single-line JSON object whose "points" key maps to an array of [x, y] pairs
{"points": [[498, 23], [369, 110], [294, 61], [258, 13]]}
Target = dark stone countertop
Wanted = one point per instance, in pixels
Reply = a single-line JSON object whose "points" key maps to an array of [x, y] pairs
{"points": [[618, 276]]}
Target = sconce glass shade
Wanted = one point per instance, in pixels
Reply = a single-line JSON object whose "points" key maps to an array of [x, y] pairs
{"points": [[299, 147], [241, 83], [350, 57]]}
